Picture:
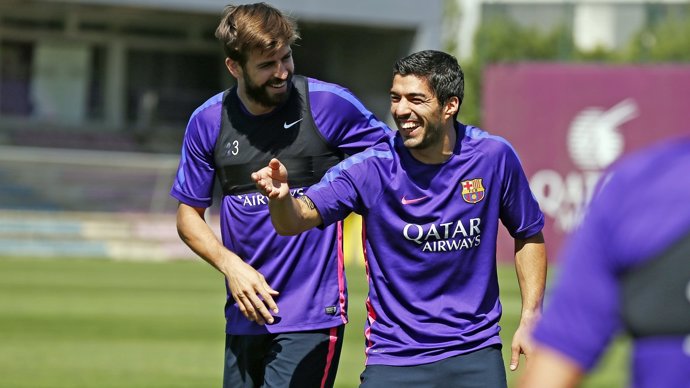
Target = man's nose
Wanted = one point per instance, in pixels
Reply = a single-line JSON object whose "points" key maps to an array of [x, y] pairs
{"points": [[401, 108], [281, 71]]}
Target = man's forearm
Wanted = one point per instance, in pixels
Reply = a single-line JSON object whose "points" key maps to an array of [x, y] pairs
{"points": [[198, 236], [292, 216], [531, 267]]}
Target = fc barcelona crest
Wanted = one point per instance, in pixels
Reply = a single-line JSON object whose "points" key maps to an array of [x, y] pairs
{"points": [[472, 190]]}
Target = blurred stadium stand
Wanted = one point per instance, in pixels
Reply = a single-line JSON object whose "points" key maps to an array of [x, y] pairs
{"points": [[86, 203], [125, 236], [85, 180], [75, 140]]}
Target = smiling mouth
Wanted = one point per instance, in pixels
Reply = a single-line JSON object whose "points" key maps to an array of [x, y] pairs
{"points": [[278, 85], [409, 127]]}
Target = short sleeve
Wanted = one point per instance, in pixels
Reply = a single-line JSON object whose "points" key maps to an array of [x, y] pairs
{"points": [[195, 176], [520, 212]]}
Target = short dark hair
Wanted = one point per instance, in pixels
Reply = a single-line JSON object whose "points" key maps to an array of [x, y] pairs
{"points": [[246, 27], [441, 70]]}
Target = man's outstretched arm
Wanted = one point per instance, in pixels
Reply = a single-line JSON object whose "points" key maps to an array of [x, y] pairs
{"points": [[289, 215]]}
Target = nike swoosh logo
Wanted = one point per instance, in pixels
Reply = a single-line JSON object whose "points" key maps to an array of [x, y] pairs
{"points": [[406, 201], [287, 126]]}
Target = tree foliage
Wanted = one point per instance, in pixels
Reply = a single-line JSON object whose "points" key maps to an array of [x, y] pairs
{"points": [[502, 40], [666, 41]]}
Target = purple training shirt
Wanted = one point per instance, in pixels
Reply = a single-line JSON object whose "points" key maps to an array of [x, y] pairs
{"points": [[431, 241], [642, 209], [307, 269]]}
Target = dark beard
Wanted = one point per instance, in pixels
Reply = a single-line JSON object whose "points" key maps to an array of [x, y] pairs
{"points": [[433, 136], [260, 95]]}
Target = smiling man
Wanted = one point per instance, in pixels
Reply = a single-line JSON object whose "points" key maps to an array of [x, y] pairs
{"points": [[313, 124], [431, 198]]}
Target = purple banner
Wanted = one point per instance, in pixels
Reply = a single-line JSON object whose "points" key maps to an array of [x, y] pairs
{"points": [[569, 122]]}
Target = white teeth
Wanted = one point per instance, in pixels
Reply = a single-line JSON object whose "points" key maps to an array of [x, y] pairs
{"points": [[409, 125]]}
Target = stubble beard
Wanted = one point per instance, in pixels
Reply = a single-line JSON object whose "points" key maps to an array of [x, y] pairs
{"points": [[432, 136]]}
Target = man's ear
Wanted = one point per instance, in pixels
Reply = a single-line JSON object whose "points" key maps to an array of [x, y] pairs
{"points": [[234, 68], [452, 107]]}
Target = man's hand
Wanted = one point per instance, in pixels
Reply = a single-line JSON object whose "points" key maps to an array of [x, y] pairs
{"points": [[253, 295], [289, 216], [522, 342], [272, 180]]}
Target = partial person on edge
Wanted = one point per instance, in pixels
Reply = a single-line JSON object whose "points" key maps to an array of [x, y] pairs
{"points": [[625, 270]]}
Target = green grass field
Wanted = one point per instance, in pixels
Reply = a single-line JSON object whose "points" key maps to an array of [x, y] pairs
{"points": [[96, 323]]}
